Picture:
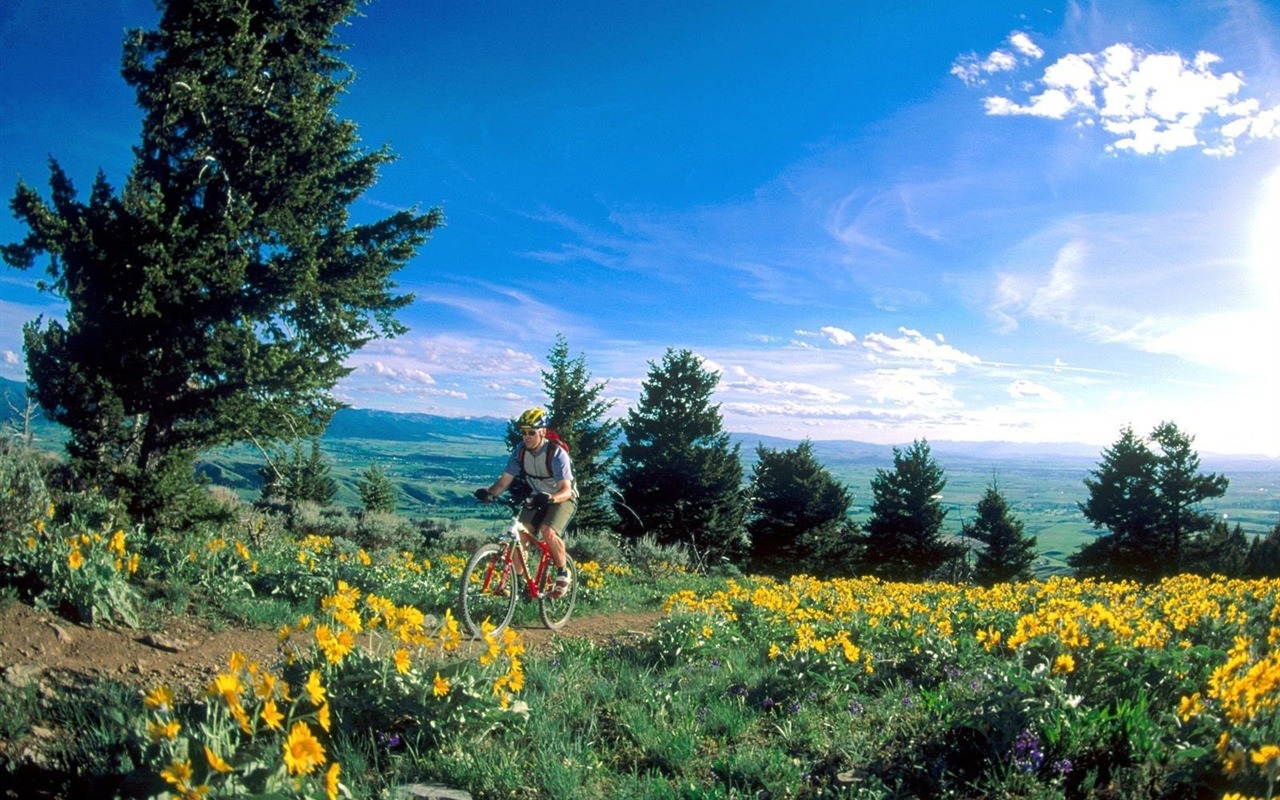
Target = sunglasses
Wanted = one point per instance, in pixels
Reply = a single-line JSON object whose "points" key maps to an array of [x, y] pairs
{"points": [[528, 431]]}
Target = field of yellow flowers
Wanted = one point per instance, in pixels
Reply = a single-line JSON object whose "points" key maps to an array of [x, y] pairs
{"points": [[749, 687]]}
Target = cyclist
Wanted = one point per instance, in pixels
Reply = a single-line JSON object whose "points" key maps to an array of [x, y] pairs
{"points": [[550, 478]]}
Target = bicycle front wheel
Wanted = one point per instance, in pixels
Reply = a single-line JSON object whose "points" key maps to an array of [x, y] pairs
{"points": [[555, 611], [488, 590]]}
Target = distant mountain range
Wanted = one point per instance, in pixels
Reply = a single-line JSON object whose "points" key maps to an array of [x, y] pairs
{"points": [[389, 426]]}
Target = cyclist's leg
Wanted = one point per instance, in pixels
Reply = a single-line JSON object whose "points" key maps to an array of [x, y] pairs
{"points": [[530, 519], [553, 525]]}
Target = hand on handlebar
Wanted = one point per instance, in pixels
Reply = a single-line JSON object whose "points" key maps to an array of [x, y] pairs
{"points": [[483, 496], [539, 500]]}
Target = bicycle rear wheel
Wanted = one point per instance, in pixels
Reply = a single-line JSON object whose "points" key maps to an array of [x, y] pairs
{"points": [[487, 590], [555, 611]]}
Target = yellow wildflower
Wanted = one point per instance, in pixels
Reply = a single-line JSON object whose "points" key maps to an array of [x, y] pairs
{"points": [[215, 760], [331, 781], [163, 730], [177, 774], [1190, 707], [160, 698], [315, 689], [1064, 664], [1266, 756], [302, 751], [75, 560], [440, 686], [228, 686], [402, 661], [271, 715], [323, 717]]}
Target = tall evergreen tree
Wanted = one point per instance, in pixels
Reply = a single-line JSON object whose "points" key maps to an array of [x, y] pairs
{"points": [[1123, 500], [1181, 488], [218, 294], [676, 467], [1008, 552], [1146, 500], [798, 513], [578, 412], [904, 538]]}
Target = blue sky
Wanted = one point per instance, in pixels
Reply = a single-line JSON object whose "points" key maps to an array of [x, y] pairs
{"points": [[1034, 222]]}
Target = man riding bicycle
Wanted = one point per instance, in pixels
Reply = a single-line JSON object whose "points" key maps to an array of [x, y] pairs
{"points": [[550, 478]]}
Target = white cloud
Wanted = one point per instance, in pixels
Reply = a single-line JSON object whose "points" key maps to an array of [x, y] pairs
{"points": [[974, 70], [11, 358], [738, 381], [910, 387], [1023, 44], [1023, 389], [914, 346], [1149, 102], [838, 336]]}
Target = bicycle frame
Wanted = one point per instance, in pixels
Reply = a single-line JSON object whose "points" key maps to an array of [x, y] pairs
{"points": [[489, 587], [515, 540]]}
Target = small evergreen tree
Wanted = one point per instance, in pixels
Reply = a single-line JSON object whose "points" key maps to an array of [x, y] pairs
{"points": [[795, 505], [1224, 550], [377, 492], [1264, 556], [1008, 553], [676, 468], [904, 538], [300, 477]]}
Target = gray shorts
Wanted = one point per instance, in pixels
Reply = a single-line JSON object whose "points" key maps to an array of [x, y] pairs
{"points": [[554, 516]]}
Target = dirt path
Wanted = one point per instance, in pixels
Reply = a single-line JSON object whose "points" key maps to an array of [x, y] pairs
{"points": [[188, 652]]}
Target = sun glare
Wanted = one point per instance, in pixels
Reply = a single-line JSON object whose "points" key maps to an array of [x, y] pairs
{"points": [[1266, 243]]}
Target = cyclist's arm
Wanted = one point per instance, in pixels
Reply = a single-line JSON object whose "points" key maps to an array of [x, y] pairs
{"points": [[500, 485], [564, 491]]}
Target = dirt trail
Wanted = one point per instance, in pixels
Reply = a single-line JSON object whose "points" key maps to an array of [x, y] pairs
{"points": [[187, 653]]}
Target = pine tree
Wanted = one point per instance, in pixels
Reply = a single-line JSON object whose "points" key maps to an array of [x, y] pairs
{"points": [[219, 294], [676, 468], [1264, 555], [377, 492], [795, 505], [1223, 550], [1147, 503], [300, 477], [904, 534], [1008, 553], [577, 411], [1181, 488]]}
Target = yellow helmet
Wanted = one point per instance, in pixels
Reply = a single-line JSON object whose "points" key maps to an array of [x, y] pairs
{"points": [[533, 418]]}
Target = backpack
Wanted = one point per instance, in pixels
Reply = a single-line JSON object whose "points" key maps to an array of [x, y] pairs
{"points": [[553, 441]]}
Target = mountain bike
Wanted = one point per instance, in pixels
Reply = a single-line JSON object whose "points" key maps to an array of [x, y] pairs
{"points": [[491, 582]]}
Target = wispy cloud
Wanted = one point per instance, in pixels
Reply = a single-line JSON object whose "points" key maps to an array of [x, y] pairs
{"points": [[1162, 286], [1024, 389], [914, 346], [974, 70], [1149, 102]]}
